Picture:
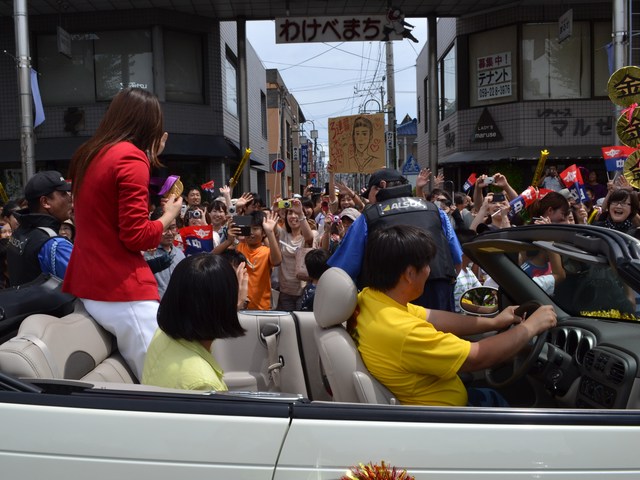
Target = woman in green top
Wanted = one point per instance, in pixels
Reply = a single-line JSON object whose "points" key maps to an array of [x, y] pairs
{"points": [[198, 307]]}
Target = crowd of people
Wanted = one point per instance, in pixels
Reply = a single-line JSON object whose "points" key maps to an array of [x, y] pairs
{"points": [[130, 255]]}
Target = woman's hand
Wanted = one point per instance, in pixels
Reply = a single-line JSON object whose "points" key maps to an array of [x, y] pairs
{"points": [[296, 207], [343, 189], [172, 206]]}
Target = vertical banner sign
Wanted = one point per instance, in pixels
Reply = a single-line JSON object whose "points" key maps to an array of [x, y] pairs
{"points": [[304, 159], [357, 143]]}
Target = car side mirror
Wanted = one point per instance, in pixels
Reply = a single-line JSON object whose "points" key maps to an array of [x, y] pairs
{"points": [[480, 301]]}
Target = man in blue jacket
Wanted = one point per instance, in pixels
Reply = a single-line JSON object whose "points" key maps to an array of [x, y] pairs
{"points": [[391, 203]]}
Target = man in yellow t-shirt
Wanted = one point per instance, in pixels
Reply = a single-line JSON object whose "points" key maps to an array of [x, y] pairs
{"points": [[417, 353]]}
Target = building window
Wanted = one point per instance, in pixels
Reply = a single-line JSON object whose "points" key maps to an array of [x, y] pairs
{"points": [[447, 83], [231, 79], [183, 67], [601, 73], [263, 113], [123, 59], [66, 81], [552, 70]]}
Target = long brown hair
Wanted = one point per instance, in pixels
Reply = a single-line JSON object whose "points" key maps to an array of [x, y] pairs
{"points": [[134, 116]]}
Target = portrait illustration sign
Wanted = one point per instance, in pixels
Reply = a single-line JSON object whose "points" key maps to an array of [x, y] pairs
{"points": [[356, 143]]}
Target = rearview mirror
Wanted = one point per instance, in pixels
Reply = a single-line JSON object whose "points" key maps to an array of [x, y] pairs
{"points": [[480, 301]]}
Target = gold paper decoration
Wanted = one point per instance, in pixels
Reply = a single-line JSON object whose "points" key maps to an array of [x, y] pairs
{"points": [[628, 127], [631, 170], [624, 86]]}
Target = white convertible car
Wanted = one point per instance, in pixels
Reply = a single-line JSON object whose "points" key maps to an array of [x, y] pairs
{"points": [[303, 406]]}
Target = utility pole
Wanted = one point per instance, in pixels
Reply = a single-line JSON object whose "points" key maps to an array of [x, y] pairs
{"points": [[620, 32], [391, 108], [27, 147]]}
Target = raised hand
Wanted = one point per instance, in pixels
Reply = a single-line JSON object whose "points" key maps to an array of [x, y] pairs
{"points": [[270, 221]]}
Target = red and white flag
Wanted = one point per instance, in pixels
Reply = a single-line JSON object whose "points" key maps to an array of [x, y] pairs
{"points": [[571, 175], [471, 181], [208, 187]]}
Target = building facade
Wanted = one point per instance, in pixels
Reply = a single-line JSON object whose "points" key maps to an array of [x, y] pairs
{"points": [[189, 62], [508, 88]]}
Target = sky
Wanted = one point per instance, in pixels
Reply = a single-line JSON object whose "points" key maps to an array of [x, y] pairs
{"points": [[338, 79]]}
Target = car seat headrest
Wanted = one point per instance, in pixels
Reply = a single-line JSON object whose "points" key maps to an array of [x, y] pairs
{"points": [[335, 299]]}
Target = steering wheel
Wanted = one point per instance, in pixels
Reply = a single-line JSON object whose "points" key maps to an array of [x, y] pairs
{"points": [[523, 360]]}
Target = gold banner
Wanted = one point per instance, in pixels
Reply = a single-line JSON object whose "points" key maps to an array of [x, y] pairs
{"points": [[3, 194], [236, 176], [539, 168]]}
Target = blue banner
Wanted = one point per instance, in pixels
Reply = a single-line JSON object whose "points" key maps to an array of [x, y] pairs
{"points": [[304, 159], [37, 99]]}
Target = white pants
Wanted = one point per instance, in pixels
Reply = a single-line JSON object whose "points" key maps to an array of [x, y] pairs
{"points": [[132, 323]]}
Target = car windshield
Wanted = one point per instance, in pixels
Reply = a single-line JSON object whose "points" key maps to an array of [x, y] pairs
{"points": [[582, 285]]}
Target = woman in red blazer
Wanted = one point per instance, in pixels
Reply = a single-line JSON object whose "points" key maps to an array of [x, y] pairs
{"points": [[110, 175]]}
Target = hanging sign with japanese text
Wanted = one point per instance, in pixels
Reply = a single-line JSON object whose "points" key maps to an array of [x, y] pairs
{"points": [[494, 76], [366, 28]]}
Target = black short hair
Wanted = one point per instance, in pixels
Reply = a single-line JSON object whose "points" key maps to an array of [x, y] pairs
{"points": [[257, 218], [256, 200], [316, 262], [307, 203], [10, 207], [218, 205], [391, 250], [234, 257], [200, 302]]}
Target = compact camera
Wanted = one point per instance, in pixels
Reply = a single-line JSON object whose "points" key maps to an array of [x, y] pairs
{"points": [[243, 222], [194, 214], [284, 204], [489, 180]]}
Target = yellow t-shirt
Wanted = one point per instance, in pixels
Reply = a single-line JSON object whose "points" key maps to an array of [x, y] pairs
{"points": [[405, 352], [181, 364]]}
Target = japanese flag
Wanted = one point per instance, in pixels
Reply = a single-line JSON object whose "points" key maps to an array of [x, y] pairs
{"points": [[571, 175], [471, 181]]}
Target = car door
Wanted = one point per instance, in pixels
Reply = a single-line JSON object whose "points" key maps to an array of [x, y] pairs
{"points": [[435, 443], [104, 435]]}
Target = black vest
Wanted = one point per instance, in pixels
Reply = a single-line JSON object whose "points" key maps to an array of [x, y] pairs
{"points": [[25, 244], [418, 213]]}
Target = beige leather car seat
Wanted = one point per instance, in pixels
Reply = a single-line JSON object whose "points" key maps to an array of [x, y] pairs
{"points": [[350, 381], [72, 347]]}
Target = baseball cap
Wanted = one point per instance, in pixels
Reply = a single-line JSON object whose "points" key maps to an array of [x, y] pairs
{"points": [[350, 212], [386, 174], [45, 183]]}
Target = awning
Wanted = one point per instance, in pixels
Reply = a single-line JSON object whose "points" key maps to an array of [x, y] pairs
{"points": [[178, 145], [579, 152]]}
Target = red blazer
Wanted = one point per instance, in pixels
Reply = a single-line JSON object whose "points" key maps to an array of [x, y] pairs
{"points": [[112, 228]]}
